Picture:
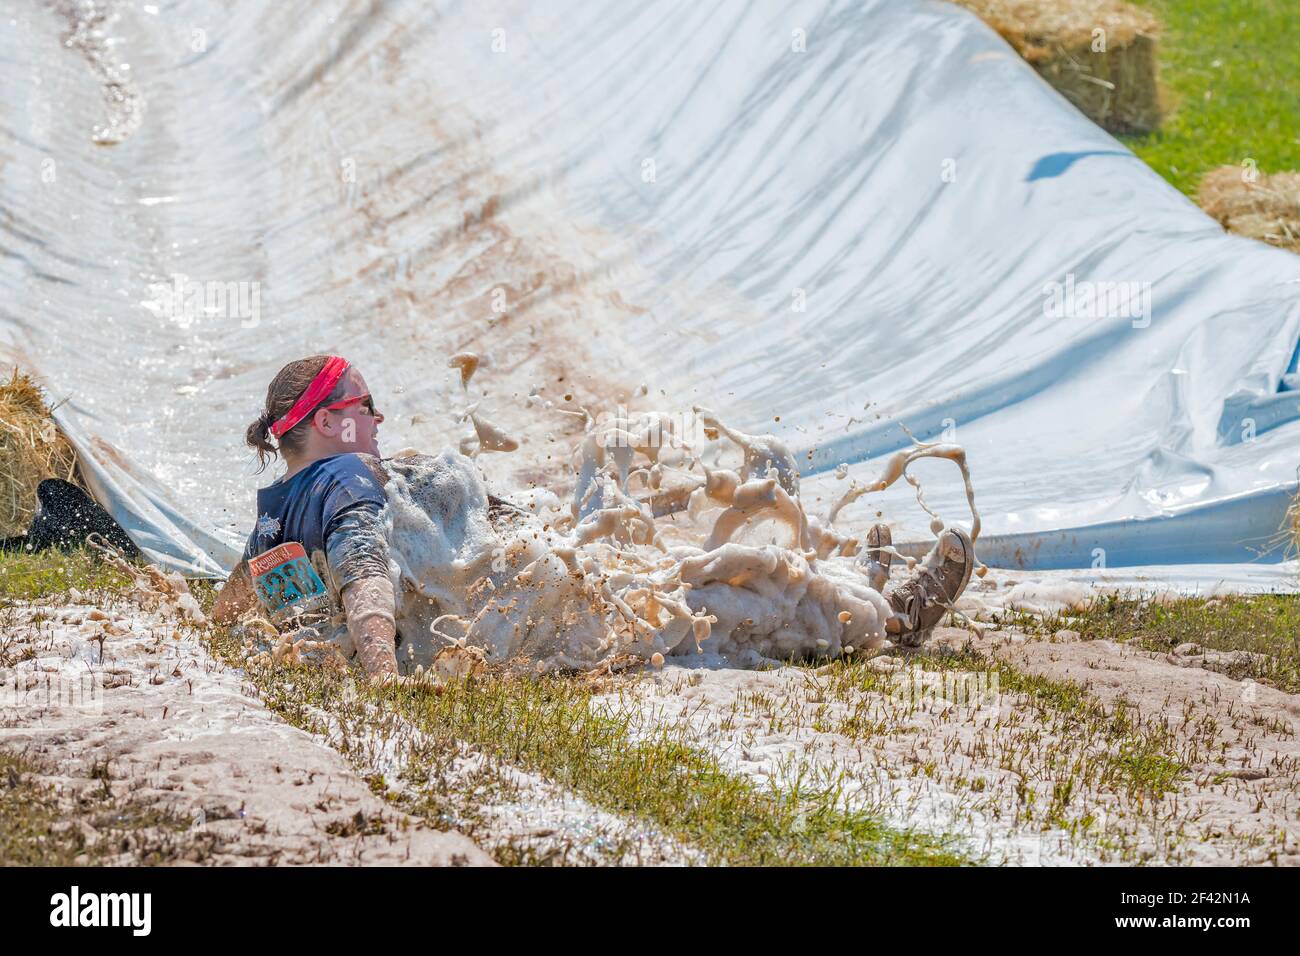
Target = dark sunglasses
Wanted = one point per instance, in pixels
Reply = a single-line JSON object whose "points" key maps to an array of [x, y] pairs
{"points": [[366, 401]]}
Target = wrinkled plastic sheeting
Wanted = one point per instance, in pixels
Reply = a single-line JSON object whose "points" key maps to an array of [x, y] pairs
{"points": [[844, 214]]}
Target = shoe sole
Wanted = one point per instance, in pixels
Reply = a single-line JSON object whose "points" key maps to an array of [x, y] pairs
{"points": [[879, 537], [968, 550], [968, 555]]}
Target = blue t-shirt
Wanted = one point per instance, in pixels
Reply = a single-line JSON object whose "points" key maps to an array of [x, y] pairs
{"points": [[329, 494]]}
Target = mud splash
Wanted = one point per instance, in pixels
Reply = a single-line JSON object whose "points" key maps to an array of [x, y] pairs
{"points": [[742, 572]]}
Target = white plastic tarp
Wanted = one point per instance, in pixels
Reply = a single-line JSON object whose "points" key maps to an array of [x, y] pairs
{"points": [[850, 215]]}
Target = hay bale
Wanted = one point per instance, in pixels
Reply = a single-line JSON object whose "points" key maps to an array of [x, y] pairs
{"points": [[31, 449], [1288, 533], [1252, 204], [1100, 54]]}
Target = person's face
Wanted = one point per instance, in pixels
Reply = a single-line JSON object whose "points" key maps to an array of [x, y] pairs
{"points": [[353, 424]]}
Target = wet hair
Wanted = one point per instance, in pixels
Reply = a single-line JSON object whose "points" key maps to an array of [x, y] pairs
{"points": [[285, 389]]}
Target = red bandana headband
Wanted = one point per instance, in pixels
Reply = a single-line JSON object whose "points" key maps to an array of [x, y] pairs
{"points": [[317, 391]]}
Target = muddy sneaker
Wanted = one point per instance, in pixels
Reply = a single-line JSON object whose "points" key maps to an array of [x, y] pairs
{"points": [[874, 559], [923, 600]]}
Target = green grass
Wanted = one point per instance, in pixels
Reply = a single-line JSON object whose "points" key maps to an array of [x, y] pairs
{"points": [[654, 776], [1064, 745], [1230, 71], [47, 576], [50, 574], [39, 827], [31, 833], [1120, 780], [1266, 624]]}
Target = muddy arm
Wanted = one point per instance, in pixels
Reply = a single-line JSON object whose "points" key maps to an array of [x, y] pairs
{"points": [[370, 605]]}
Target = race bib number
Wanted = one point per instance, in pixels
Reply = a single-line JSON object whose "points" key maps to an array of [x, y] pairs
{"points": [[286, 583]]}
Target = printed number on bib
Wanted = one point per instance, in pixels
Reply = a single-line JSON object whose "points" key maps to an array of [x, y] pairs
{"points": [[286, 583]]}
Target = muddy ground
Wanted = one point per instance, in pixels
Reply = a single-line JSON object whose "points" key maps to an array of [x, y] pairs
{"points": [[1024, 747]]}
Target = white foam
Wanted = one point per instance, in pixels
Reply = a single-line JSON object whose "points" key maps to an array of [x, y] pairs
{"points": [[746, 573]]}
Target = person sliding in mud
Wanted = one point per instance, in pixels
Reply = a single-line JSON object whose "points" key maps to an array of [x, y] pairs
{"points": [[920, 601], [318, 542], [320, 550]]}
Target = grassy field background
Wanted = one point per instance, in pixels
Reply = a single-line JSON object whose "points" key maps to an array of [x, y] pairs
{"points": [[1230, 70]]}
